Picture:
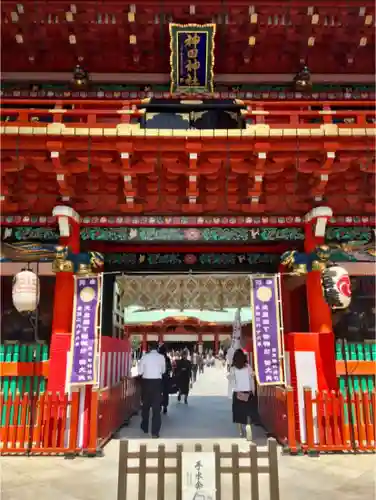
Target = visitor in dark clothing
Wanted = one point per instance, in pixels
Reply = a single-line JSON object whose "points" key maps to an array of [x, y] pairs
{"points": [[200, 363], [194, 366], [183, 375], [165, 378]]}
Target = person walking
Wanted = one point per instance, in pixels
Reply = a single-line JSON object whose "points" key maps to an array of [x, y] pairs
{"points": [[243, 386], [183, 375], [166, 378], [151, 368], [194, 362], [200, 363]]}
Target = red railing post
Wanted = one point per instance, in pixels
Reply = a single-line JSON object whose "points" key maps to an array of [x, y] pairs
{"points": [[309, 421], [73, 424], [345, 419], [360, 420], [291, 428], [336, 420], [368, 417], [373, 411], [92, 449]]}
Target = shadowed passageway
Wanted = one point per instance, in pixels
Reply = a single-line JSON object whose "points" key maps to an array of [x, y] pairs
{"points": [[207, 415]]}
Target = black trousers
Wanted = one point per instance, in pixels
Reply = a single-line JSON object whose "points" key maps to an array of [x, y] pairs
{"points": [[194, 373], [151, 400], [165, 391]]}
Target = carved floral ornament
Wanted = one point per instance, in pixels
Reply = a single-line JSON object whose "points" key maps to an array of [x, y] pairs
{"points": [[264, 95], [364, 234], [172, 221]]}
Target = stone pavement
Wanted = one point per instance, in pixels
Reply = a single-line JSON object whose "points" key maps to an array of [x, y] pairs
{"points": [[207, 419]]}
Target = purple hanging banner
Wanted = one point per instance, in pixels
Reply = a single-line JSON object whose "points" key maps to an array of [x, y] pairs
{"points": [[84, 328], [267, 349]]}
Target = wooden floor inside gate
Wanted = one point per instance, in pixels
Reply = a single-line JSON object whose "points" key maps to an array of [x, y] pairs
{"points": [[241, 471]]}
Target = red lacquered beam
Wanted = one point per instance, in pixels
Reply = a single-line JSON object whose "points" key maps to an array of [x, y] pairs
{"points": [[285, 118]]}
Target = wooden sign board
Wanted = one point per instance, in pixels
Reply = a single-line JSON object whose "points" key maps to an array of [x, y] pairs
{"points": [[198, 476]]}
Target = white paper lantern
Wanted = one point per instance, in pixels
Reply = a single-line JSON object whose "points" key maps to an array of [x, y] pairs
{"points": [[25, 291], [336, 287]]}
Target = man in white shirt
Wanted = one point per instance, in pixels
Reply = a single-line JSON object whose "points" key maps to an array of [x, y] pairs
{"points": [[151, 368]]}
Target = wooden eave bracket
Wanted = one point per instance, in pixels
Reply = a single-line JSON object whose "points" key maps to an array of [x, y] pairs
{"points": [[65, 188], [322, 176], [7, 206], [15, 165], [87, 204], [253, 207], [132, 208], [128, 190], [370, 207], [192, 208]]}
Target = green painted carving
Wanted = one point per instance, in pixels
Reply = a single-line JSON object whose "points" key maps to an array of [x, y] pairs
{"points": [[342, 234], [226, 234], [281, 233], [209, 234], [105, 233], [23, 233], [172, 259], [224, 260], [348, 233], [159, 234]]}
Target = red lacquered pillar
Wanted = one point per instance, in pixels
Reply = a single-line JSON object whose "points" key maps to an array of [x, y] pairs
{"points": [[69, 226], [319, 313], [310, 356], [216, 343], [144, 343]]}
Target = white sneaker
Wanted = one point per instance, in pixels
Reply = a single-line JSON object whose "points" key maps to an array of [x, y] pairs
{"points": [[248, 432], [241, 429]]}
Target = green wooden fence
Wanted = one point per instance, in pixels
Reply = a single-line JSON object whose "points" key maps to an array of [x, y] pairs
{"points": [[24, 353], [356, 351]]}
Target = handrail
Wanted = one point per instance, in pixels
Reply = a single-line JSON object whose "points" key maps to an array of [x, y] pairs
{"points": [[120, 103], [68, 102], [111, 118]]}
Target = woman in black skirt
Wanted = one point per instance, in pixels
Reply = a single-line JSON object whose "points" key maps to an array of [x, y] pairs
{"points": [[243, 393]]}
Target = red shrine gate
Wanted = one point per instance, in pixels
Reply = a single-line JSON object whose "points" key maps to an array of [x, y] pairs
{"points": [[184, 330], [310, 358]]}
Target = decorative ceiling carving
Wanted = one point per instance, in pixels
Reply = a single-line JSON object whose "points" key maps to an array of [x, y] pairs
{"points": [[185, 291], [120, 38]]}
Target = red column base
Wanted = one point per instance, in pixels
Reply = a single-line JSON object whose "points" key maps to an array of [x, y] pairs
{"points": [[60, 346], [309, 362], [61, 331], [313, 358]]}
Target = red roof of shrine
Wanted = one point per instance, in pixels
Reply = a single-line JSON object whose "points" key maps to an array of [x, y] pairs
{"points": [[252, 37], [177, 323], [181, 320]]}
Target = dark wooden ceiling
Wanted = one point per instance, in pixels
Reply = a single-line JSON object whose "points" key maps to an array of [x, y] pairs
{"points": [[116, 37]]}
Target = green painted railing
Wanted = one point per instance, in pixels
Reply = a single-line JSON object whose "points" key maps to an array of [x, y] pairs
{"points": [[356, 351], [16, 353]]}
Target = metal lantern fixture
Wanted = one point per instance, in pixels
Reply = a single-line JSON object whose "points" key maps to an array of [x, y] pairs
{"points": [[302, 81], [25, 291], [80, 78]]}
